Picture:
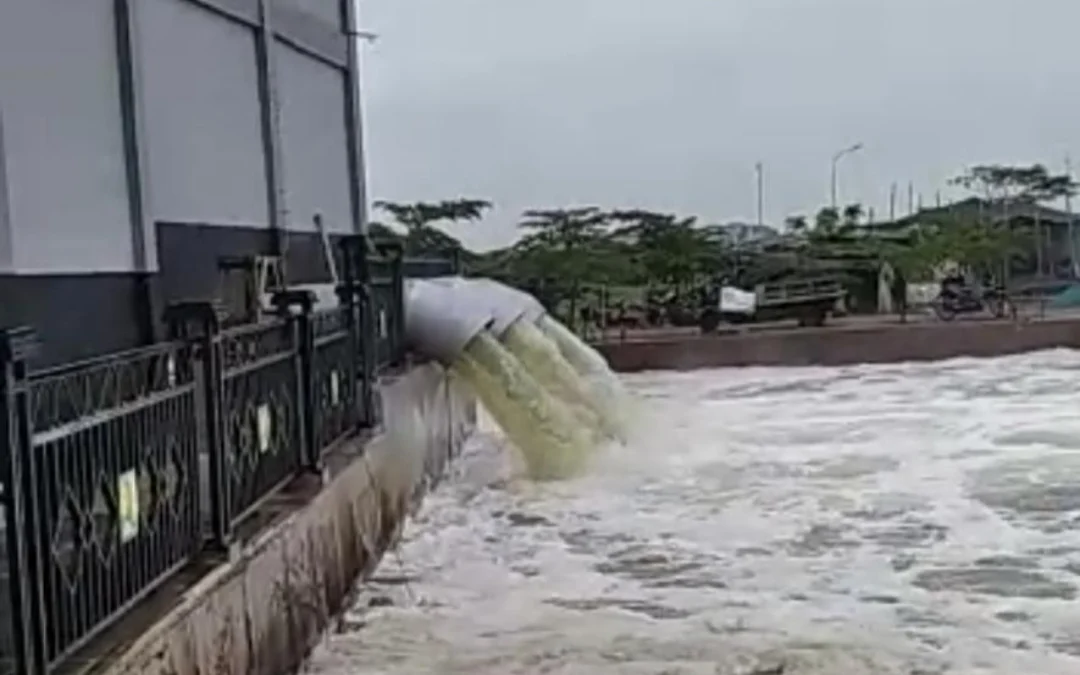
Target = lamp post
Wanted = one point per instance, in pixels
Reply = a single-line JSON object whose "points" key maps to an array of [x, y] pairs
{"points": [[835, 161], [759, 170]]}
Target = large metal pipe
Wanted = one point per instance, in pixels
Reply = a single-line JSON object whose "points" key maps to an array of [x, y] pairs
{"points": [[442, 318], [519, 303], [442, 314]]}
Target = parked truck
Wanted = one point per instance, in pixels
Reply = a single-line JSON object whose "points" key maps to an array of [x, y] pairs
{"points": [[810, 301]]}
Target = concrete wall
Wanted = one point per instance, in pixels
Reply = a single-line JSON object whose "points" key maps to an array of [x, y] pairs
{"points": [[121, 119], [314, 144], [327, 10], [63, 137], [261, 613], [844, 346], [202, 119], [199, 109]]}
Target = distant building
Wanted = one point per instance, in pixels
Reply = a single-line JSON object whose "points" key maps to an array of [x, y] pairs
{"points": [[1054, 246], [142, 139]]}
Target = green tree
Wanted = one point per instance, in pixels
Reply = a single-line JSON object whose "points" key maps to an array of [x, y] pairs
{"points": [[561, 244], [417, 220], [852, 217], [1007, 189], [826, 222], [670, 249], [797, 225]]}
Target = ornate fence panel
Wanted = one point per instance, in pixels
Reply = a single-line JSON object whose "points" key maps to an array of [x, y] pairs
{"points": [[335, 391], [382, 302], [103, 462], [111, 487], [261, 398]]}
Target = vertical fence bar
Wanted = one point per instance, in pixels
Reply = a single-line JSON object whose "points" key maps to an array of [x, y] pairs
{"points": [[369, 337], [348, 295], [397, 309], [300, 322], [347, 298], [197, 322], [16, 465]]}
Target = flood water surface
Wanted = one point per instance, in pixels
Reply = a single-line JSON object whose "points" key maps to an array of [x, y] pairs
{"points": [[900, 519]]}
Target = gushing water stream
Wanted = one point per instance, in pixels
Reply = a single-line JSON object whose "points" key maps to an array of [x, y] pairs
{"points": [[540, 425], [901, 519], [541, 356]]}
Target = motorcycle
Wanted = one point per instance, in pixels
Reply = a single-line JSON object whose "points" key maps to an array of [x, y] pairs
{"points": [[967, 300]]}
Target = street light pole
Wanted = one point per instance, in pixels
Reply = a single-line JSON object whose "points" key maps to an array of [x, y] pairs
{"points": [[760, 169], [835, 161], [1072, 220]]}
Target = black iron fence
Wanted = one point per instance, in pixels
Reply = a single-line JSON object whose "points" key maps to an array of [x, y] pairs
{"points": [[117, 472], [101, 489]]}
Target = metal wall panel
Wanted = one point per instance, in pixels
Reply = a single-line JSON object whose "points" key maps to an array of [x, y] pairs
{"points": [[327, 11], [63, 139], [201, 103], [314, 141]]}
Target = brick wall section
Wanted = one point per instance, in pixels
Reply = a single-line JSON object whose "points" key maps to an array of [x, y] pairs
{"points": [[890, 343]]}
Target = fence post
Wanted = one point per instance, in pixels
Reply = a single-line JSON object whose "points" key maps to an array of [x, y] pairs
{"points": [[357, 271], [347, 297], [286, 302], [198, 323], [394, 253], [17, 476]]}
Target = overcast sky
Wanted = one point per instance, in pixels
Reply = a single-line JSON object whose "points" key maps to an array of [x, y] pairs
{"points": [[668, 104]]}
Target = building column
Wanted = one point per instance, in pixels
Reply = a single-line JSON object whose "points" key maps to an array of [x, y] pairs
{"points": [[270, 106], [6, 256], [354, 119], [143, 246]]}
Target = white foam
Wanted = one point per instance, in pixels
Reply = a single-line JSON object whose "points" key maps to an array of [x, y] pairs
{"points": [[856, 520]]}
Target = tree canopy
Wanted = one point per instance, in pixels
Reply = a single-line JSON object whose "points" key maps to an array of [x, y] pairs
{"points": [[417, 220]]}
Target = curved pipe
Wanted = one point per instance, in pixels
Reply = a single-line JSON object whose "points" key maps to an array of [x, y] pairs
{"points": [[441, 319], [442, 314], [529, 307]]}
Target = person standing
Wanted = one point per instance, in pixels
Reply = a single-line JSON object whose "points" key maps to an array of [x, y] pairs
{"points": [[899, 294]]}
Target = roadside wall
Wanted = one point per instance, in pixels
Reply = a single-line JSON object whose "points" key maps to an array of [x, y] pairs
{"points": [[261, 612], [843, 346]]}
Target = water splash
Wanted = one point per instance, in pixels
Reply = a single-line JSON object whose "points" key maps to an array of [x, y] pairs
{"points": [[607, 391], [875, 519], [552, 442], [543, 359]]}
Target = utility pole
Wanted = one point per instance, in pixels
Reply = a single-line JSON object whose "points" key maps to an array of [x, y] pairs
{"points": [[911, 197], [938, 198], [892, 203], [760, 169], [1072, 225]]}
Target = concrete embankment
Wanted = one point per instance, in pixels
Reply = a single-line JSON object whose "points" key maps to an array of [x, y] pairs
{"points": [[261, 609], [843, 345]]}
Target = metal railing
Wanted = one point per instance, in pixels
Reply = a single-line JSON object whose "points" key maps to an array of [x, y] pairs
{"points": [[101, 490], [379, 270], [333, 394], [261, 397], [117, 472]]}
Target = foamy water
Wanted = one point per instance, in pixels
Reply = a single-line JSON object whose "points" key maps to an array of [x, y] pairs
{"points": [[902, 519]]}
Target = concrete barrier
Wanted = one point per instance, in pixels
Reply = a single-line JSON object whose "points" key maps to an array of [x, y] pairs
{"points": [[260, 610], [875, 343]]}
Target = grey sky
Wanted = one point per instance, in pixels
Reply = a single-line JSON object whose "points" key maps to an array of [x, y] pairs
{"points": [[668, 104]]}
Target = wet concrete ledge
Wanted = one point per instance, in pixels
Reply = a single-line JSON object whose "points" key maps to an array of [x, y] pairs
{"points": [[845, 345], [260, 609]]}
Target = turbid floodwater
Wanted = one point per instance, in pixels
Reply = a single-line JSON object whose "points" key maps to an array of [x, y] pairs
{"points": [[912, 519]]}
